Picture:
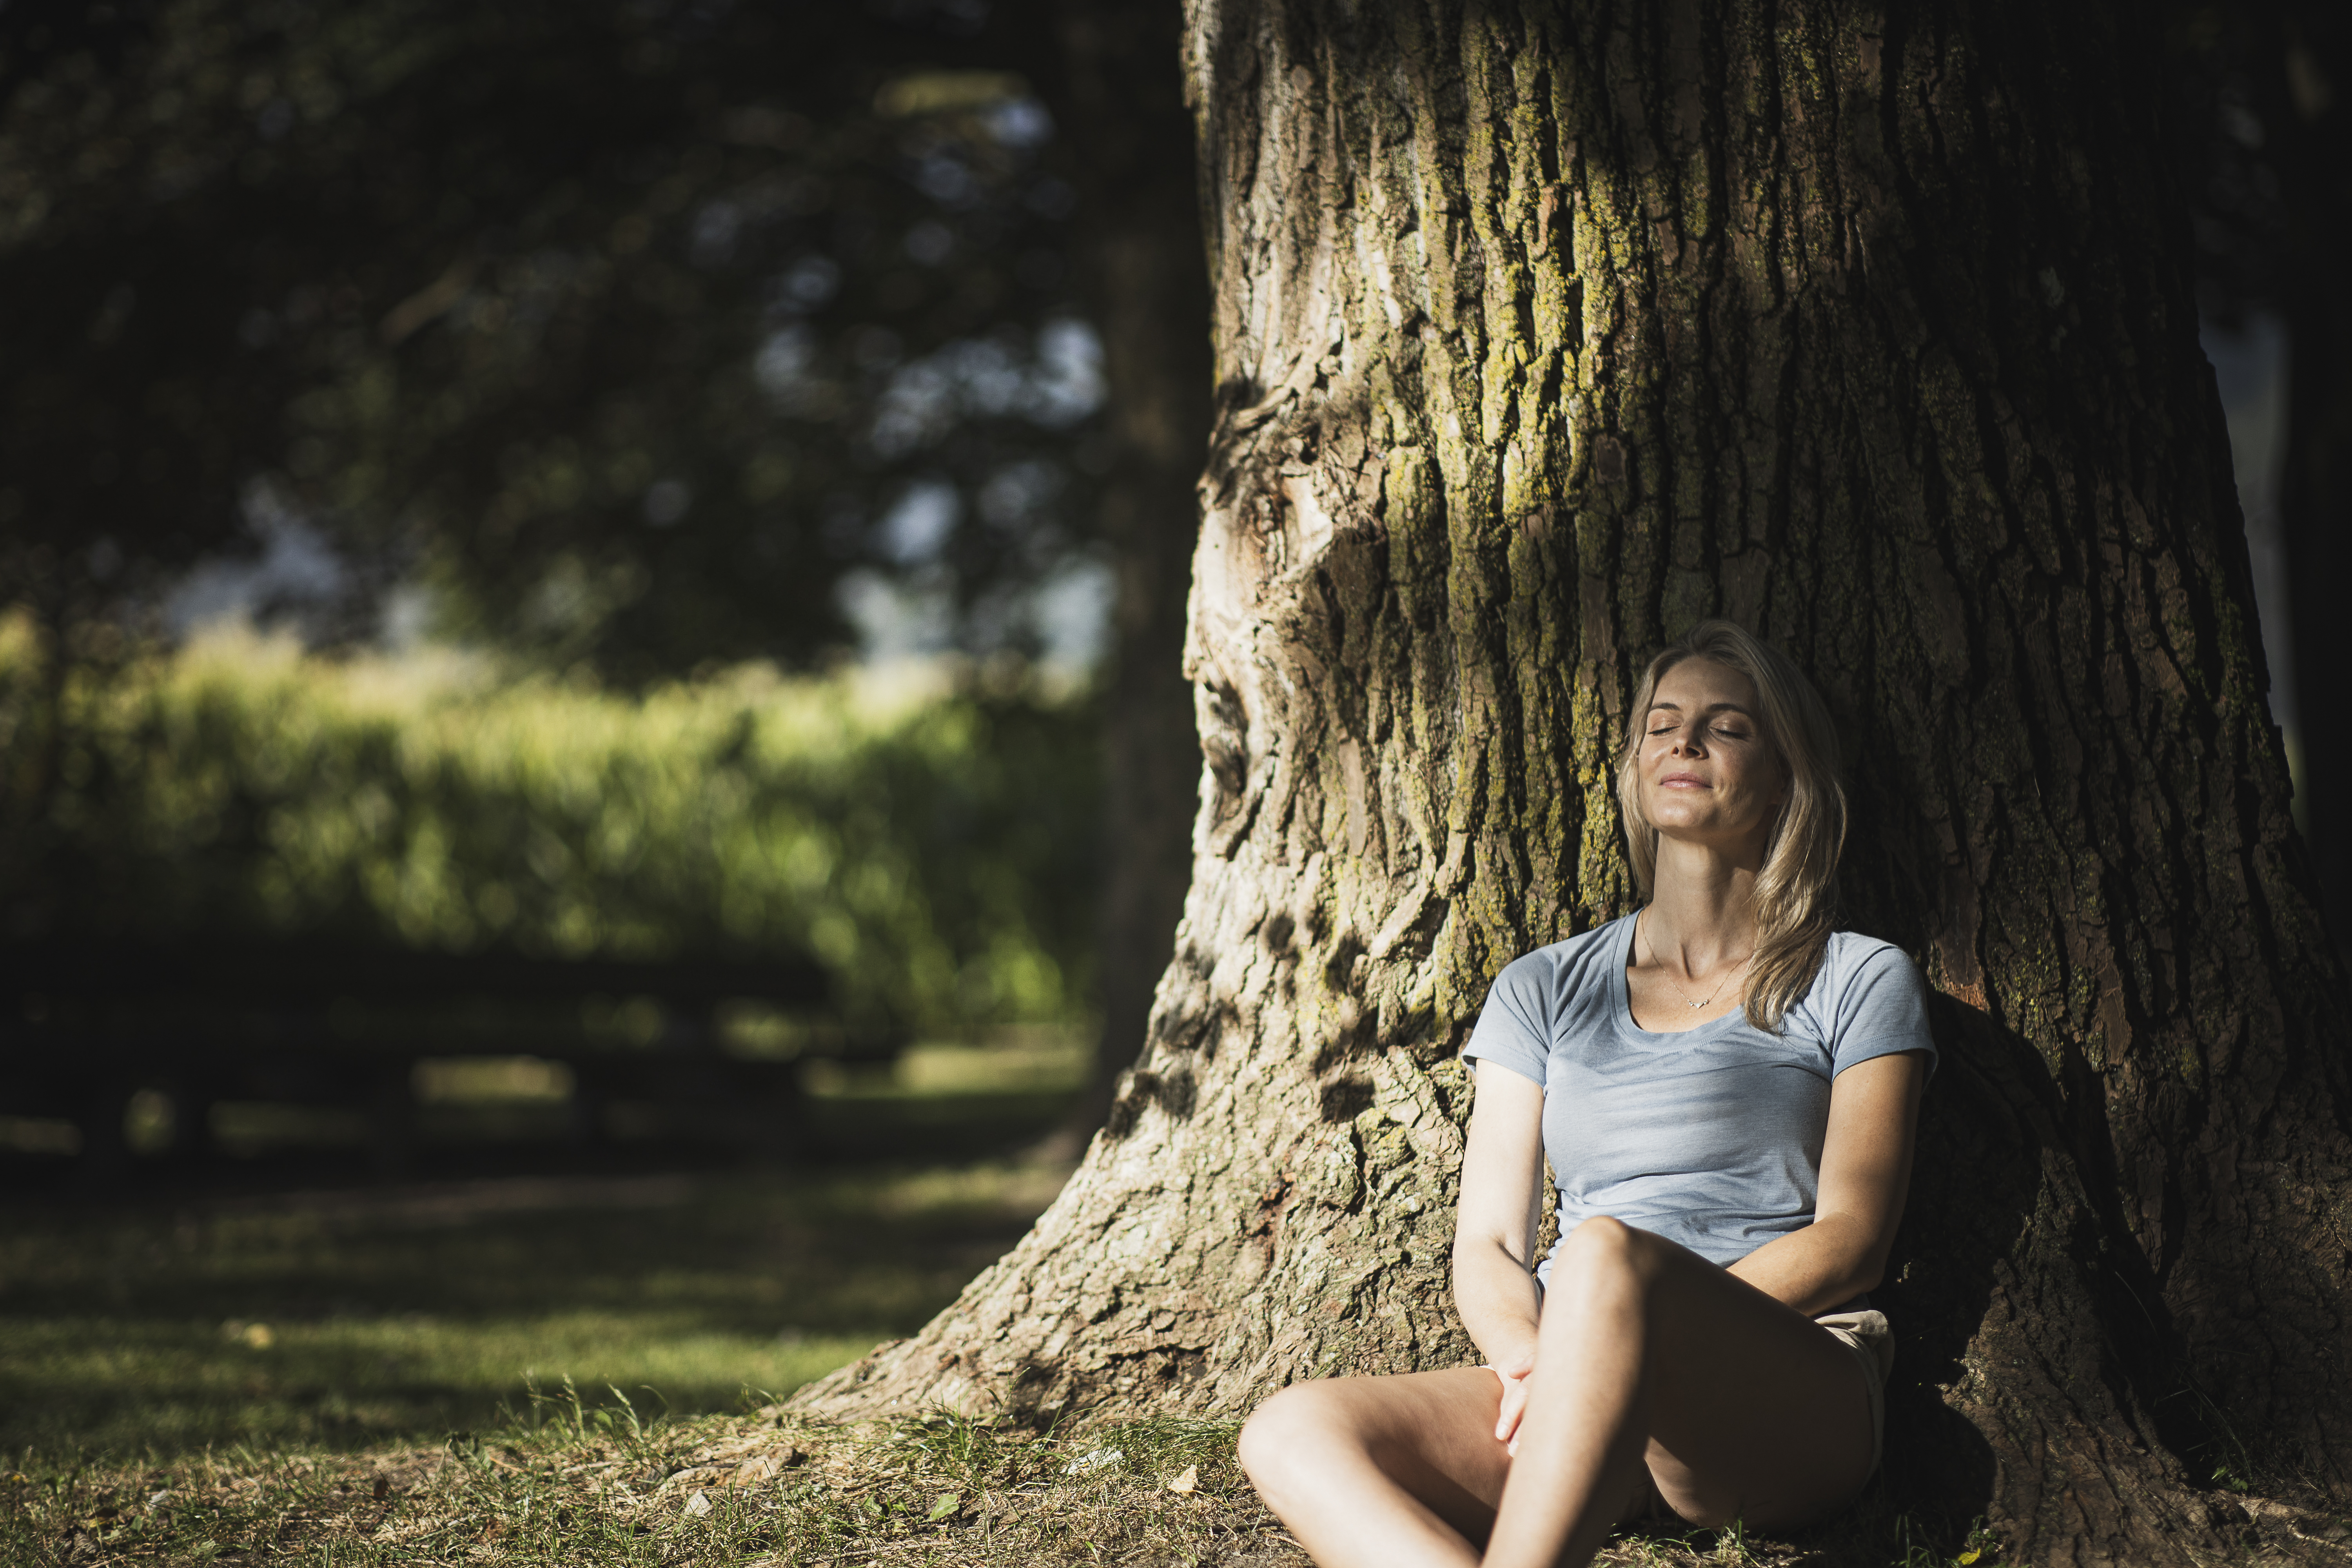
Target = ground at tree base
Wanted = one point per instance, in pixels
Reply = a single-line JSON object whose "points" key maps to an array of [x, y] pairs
{"points": [[575, 1482]]}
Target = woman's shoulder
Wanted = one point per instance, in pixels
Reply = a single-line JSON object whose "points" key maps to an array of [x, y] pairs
{"points": [[1562, 965], [1867, 985], [1852, 952], [1533, 994]]}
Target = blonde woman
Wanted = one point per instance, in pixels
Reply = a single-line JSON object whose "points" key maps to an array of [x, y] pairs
{"points": [[1726, 1089]]}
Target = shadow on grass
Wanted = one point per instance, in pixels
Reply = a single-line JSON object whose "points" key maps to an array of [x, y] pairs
{"points": [[336, 1320]]}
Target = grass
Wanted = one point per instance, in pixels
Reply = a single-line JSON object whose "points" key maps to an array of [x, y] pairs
{"points": [[213, 1306], [348, 1321], [585, 1370], [578, 1477], [574, 1488]]}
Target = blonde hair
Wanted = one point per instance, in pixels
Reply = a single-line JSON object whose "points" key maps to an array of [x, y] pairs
{"points": [[1796, 892]]}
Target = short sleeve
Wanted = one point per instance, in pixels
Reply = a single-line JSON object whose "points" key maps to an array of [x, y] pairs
{"points": [[1882, 1010], [1514, 1028]]}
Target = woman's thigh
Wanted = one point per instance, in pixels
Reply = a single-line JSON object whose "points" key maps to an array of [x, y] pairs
{"points": [[1755, 1411]]}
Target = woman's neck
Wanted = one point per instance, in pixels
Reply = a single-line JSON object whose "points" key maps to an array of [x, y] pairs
{"points": [[1702, 909]]}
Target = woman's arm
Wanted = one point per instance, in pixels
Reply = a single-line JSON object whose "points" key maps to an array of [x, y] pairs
{"points": [[1502, 1170], [1865, 1174]]}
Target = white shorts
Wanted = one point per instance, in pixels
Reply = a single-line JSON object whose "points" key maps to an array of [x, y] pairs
{"points": [[1872, 1344]]}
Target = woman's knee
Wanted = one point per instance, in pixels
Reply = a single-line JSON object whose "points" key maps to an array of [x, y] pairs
{"points": [[1288, 1426], [1605, 1263], [1607, 1244]]}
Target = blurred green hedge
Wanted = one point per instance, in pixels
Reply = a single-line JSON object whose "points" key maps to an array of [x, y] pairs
{"points": [[935, 846]]}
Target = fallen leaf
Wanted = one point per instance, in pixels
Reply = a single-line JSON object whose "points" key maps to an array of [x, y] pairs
{"points": [[1100, 1459], [945, 1506], [697, 1505], [1189, 1481]]}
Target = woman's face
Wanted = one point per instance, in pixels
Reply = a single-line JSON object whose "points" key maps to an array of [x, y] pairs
{"points": [[1708, 774]]}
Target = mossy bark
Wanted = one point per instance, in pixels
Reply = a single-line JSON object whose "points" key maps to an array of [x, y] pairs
{"points": [[1541, 331]]}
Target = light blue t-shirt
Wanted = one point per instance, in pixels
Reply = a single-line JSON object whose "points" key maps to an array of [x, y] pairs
{"points": [[1711, 1137]]}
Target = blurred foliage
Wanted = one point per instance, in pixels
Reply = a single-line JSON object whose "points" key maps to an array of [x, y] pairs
{"points": [[934, 845], [633, 327]]}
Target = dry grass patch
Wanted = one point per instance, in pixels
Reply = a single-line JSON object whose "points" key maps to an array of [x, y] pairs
{"points": [[583, 1483]]}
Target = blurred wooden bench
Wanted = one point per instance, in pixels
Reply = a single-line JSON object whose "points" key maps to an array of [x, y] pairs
{"points": [[87, 1026]]}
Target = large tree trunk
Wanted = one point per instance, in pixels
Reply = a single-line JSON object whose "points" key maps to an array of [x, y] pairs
{"points": [[1541, 331]]}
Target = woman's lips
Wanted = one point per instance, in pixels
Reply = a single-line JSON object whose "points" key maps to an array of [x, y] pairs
{"points": [[1684, 780]]}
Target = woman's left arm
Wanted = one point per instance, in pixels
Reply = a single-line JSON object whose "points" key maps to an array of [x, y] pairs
{"points": [[1865, 1173]]}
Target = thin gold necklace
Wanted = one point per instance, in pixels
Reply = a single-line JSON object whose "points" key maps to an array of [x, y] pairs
{"points": [[1695, 1007]]}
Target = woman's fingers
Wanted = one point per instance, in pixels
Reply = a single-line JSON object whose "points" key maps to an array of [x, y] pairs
{"points": [[1513, 1370], [1514, 1405]]}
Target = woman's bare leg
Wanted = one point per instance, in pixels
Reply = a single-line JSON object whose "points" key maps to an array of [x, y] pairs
{"points": [[1382, 1470], [1649, 1358]]}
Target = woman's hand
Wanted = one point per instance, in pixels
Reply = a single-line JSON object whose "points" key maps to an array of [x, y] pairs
{"points": [[1514, 1373]]}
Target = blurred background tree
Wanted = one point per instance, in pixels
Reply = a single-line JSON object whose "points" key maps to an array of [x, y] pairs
{"points": [[628, 331], [625, 339], [2267, 161]]}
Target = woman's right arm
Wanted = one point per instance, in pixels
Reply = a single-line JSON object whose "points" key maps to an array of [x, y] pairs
{"points": [[1502, 1171]]}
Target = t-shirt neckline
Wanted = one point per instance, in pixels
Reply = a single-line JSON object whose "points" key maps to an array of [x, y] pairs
{"points": [[1623, 994]]}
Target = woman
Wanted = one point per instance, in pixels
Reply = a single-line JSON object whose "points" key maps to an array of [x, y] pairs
{"points": [[1726, 1089]]}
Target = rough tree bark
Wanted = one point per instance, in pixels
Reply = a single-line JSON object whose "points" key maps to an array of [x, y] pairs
{"points": [[1543, 331]]}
